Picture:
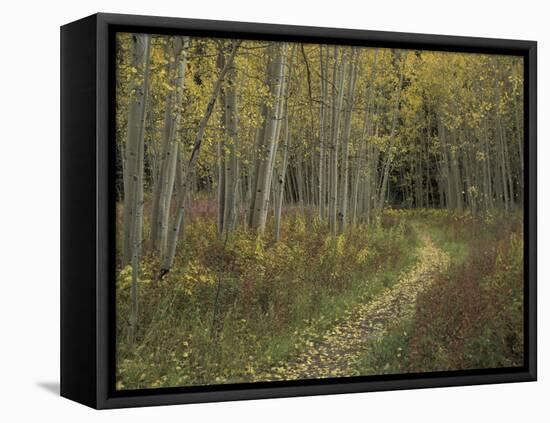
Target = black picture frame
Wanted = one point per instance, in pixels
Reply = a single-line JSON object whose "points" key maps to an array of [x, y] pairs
{"points": [[87, 210]]}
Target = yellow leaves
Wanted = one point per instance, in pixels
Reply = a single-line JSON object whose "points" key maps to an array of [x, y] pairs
{"points": [[194, 276], [300, 225], [159, 382], [259, 248], [363, 255], [340, 346], [168, 86], [205, 279], [334, 245], [260, 288], [340, 243], [480, 156], [124, 277], [473, 191]]}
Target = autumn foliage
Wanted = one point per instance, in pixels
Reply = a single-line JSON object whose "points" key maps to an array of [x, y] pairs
{"points": [[292, 210]]}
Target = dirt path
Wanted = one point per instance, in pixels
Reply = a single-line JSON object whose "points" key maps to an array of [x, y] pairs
{"points": [[340, 347]]}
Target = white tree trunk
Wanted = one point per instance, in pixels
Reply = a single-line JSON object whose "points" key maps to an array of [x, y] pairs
{"points": [[269, 145], [162, 196], [232, 162], [337, 100], [344, 181], [170, 253], [389, 151], [133, 199]]}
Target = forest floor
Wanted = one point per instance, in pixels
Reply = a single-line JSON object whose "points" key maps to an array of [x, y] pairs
{"points": [[424, 290], [335, 353]]}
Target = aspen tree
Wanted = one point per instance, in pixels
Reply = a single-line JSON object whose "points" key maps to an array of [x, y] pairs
{"points": [[170, 253], [133, 199], [389, 151], [260, 197], [162, 194], [344, 180], [339, 71]]}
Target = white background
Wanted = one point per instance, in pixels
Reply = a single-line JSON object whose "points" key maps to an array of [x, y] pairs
{"points": [[29, 212]]}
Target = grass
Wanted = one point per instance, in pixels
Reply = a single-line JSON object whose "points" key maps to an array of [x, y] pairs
{"points": [[231, 311], [472, 316], [235, 311]]}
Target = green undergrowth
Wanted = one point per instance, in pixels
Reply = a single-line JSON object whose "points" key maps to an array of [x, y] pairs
{"points": [[472, 315], [230, 310]]}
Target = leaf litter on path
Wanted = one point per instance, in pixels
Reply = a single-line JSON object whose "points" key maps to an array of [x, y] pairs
{"points": [[334, 353]]}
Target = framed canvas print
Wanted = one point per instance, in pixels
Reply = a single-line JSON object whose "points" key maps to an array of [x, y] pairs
{"points": [[254, 211]]}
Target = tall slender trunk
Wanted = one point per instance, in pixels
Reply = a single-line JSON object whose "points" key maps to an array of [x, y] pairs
{"points": [[389, 153], [163, 191], [519, 140], [344, 180], [221, 150], [337, 99], [168, 258], [363, 146], [455, 171], [322, 131], [269, 145], [446, 175], [231, 162], [281, 180], [133, 199]]}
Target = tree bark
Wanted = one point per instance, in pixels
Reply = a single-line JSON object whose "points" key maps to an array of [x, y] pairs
{"points": [[168, 258], [162, 194], [133, 199], [389, 154], [344, 180], [267, 148]]}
